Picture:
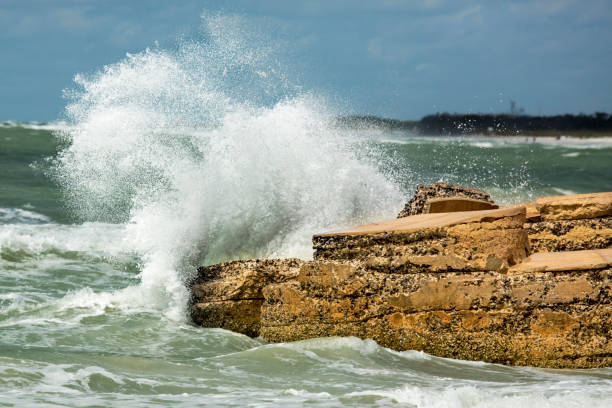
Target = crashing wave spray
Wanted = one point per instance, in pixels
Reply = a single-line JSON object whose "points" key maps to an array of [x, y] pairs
{"points": [[207, 154]]}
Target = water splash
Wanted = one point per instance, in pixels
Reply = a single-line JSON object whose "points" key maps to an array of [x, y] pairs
{"points": [[207, 153]]}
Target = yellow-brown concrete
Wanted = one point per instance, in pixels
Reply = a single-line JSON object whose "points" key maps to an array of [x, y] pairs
{"points": [[419, 222], [457, 204], [457, 285], [575, 207], [565, 261], [569, 223], [466, 241]]}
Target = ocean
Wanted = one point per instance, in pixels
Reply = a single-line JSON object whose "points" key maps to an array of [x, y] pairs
{"points": [[92, 306], [168, 160]]}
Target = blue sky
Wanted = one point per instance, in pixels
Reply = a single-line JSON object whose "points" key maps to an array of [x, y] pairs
{"points": [[393, 58]]}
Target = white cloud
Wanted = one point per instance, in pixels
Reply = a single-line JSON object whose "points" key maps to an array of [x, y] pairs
{"points": [[344, 7], [375, 47], [425, 34], [472, 13], [542, 7], [423, 66], [16, 23], [73, 19], [581, 11]]}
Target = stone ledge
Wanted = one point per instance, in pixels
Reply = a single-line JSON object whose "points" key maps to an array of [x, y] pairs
{"points": [[425, 193], [467, 241], [569, 235], [569, 223], [575, 207], [241, 280], [578, 338], [565, 261], [415, 223], [457, 204], [454, 285], [240, 316]]}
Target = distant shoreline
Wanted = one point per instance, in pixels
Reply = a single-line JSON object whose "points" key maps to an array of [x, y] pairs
{"points": [[543, 133], [501, 125], [441, 125]]}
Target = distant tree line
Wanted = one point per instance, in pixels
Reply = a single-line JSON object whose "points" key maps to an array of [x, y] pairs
{"points": [[444, 123], [370, 121], [499, 124]]}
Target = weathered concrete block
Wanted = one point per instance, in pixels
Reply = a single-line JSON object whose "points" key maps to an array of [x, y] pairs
{"points": [[240, 316], [569, 235], [549, 311], [575, 207], [426, 193], [230, 295], [457, 204], [475, 240], [451, 284], [570, 223]]}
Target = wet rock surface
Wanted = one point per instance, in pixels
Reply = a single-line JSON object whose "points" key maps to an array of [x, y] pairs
{"points": [[459, 285], [547, 319], [230, 295]]}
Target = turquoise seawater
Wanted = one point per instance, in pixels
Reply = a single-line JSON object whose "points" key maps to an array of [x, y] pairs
{"points": [[98, 229]]}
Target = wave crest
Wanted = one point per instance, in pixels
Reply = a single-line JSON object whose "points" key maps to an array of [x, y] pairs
{"points": [[201, 169]]}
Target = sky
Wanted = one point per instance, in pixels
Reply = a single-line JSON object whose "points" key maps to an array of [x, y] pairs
{"points": [[393, 58]]}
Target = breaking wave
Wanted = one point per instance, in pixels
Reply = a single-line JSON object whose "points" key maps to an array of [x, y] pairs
{"points": [[207, 153]]}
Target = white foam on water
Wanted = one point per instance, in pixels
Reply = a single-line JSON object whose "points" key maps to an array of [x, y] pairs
{"points": [[482, 145], [575, 142], [52, 126], [539, 395], [92, 238], [307, 394], [20, 216], [32, 253], [515, 141], [571, 154], [94, 304], [563, 191], [182, 148], [334, 343]]}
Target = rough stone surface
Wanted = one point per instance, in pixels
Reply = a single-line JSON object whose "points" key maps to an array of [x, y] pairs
{"points": [[230, 295], [424, 193], [466, 241], [569, 223], [565, 261], [569, 235], [456, 285], [456, 204], [575, 207], [240, 316], [533, 215], [547, 319]]}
